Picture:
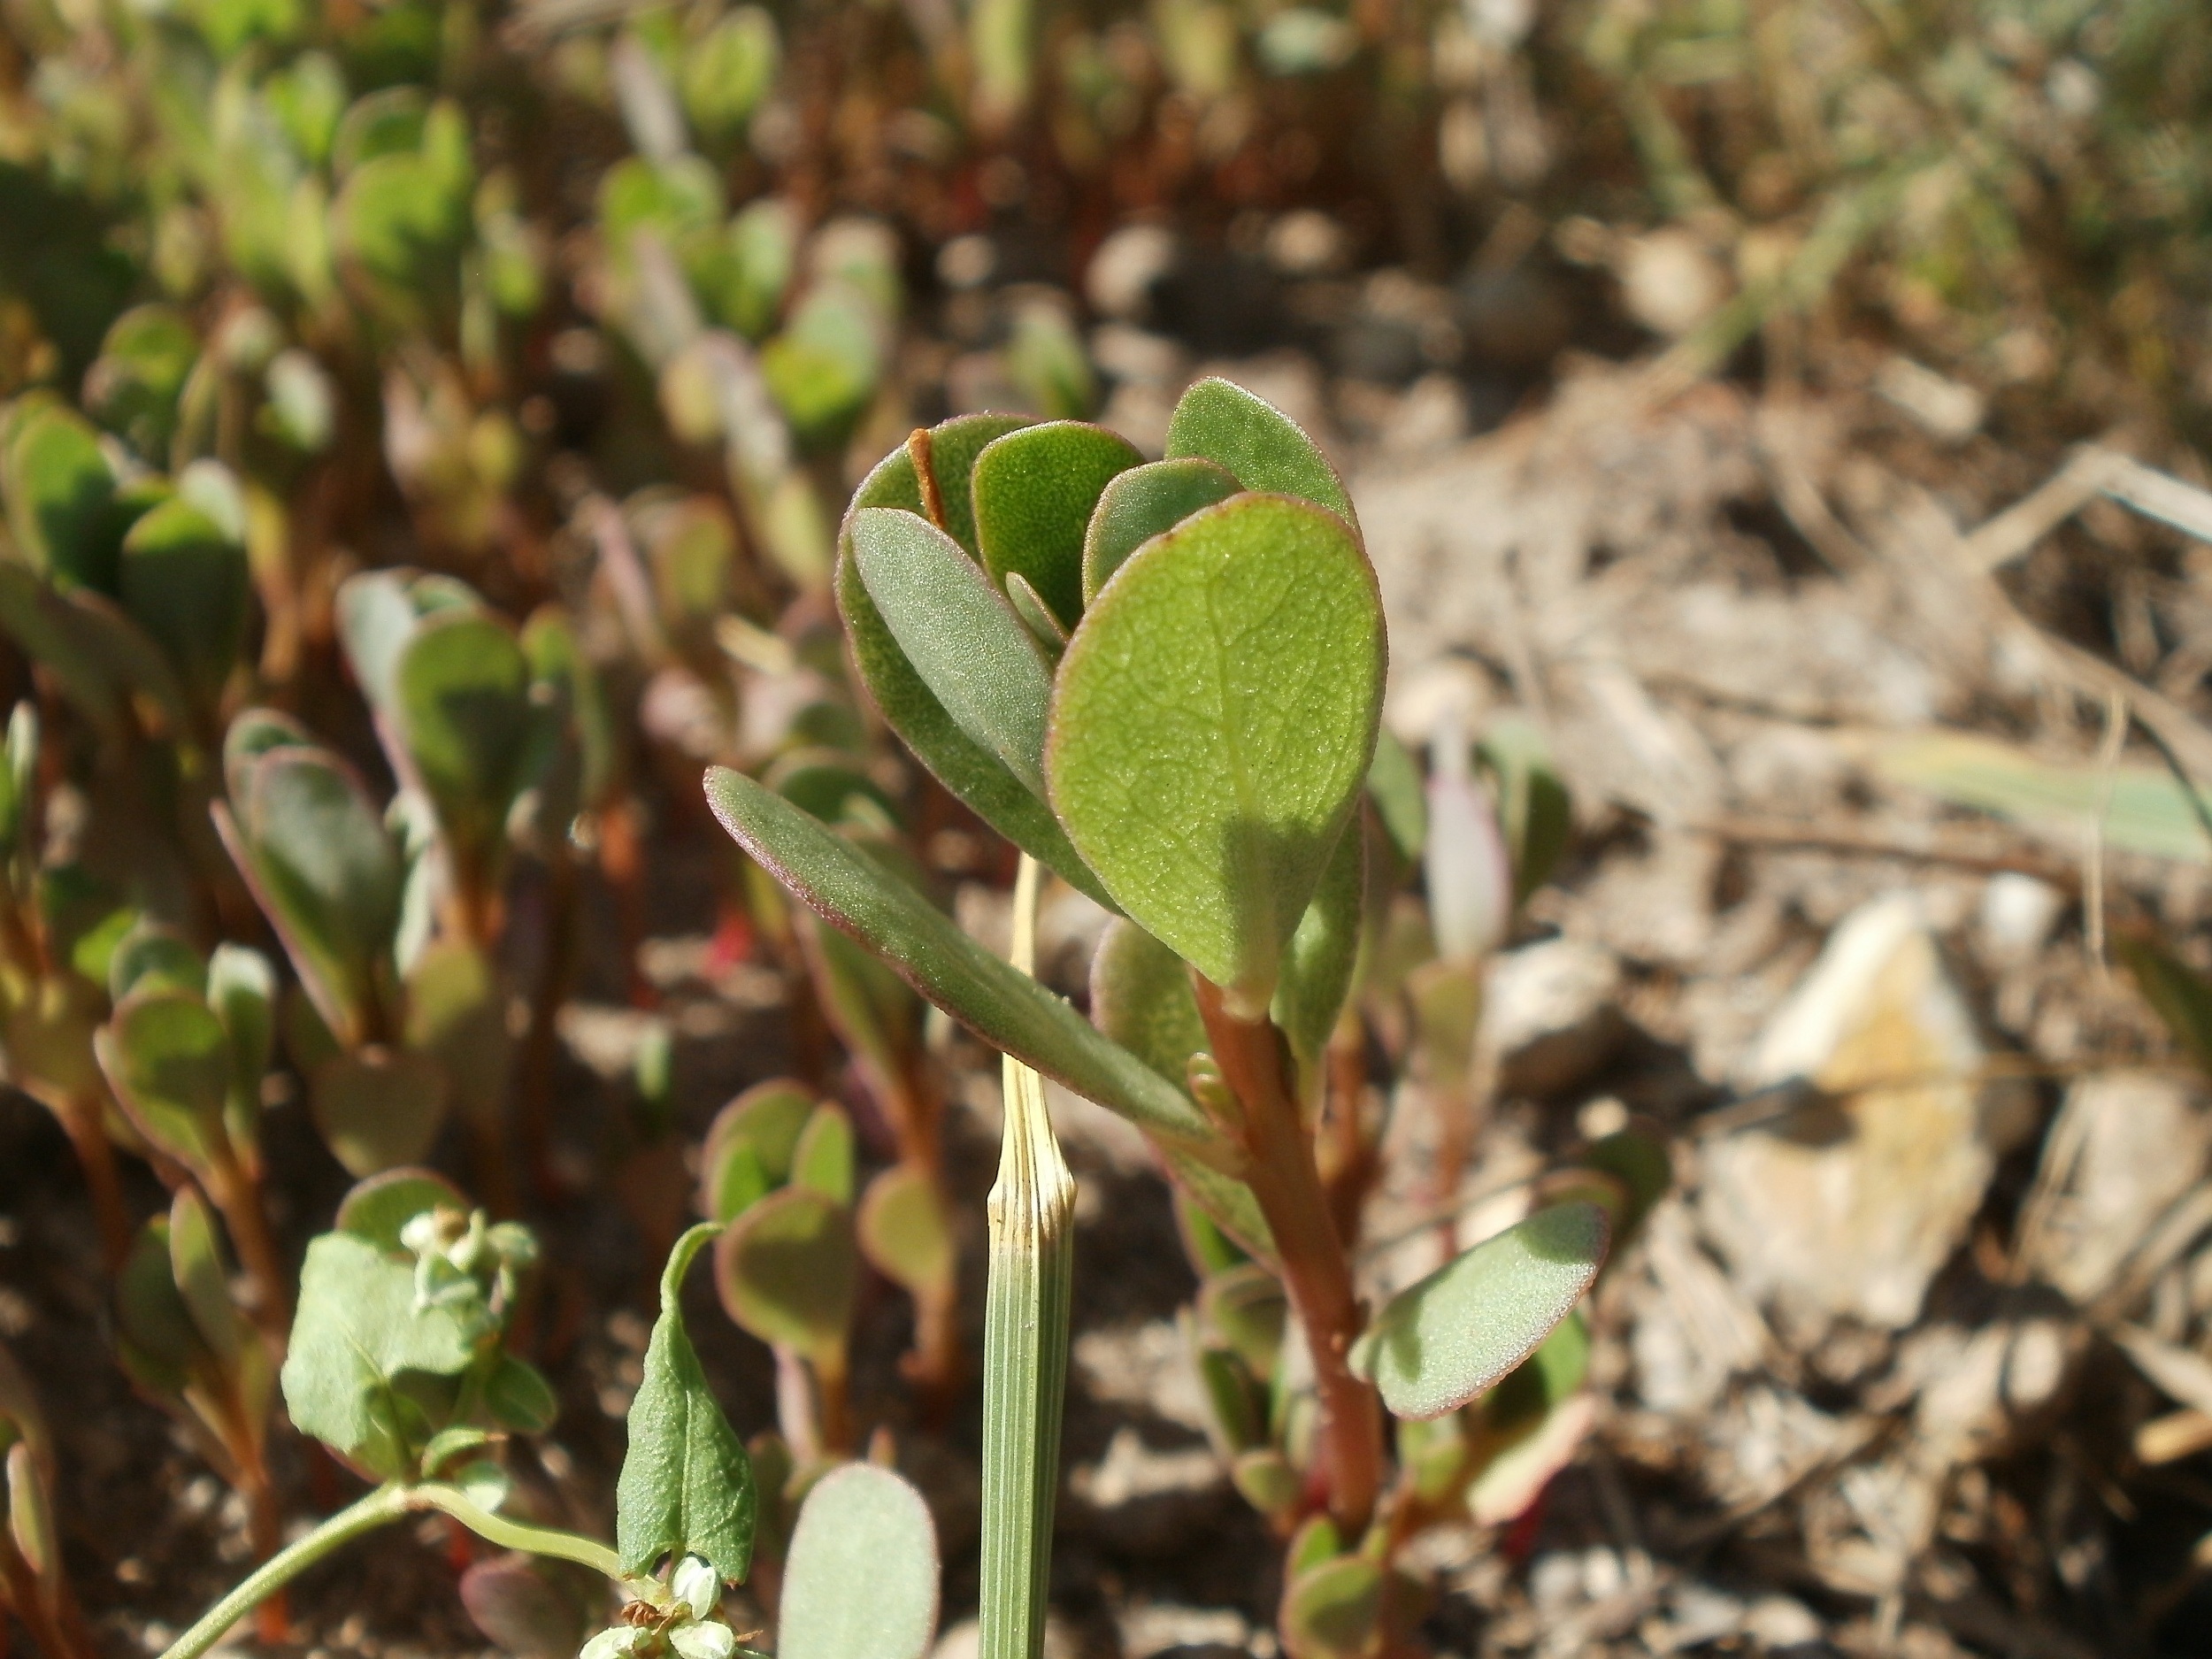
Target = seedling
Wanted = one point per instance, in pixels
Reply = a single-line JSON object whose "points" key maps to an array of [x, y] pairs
{"points": [[1163, 681], [399, 1365]]}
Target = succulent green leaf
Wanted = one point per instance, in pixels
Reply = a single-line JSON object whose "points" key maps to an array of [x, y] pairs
{"points": [[968, 769], [186, 583], [961, 635], [1236, 1414], [1265, 448], [153, 956], [787, 1270], [73, 642], [1036, 616], [823, 1160], [1145, 501], [167, 1058], [144, 363], [906, 1231], [1141, 997], [823, 369], [378, 1208], [456, 1014], [1317, 967], [1642, 1166], [949, 449], [861, 1580], [359, 1334], [61, 499], [160, 1345], [378, 1108], [1033, 492], [462, 690], [203, 1279], [1440, 1342], [749, 1147], [1264, 1479], [1333, 1611], [241, 989], [1002, 1005], [1245, 1306], [723, 76], [325, 873], [1211, 724], [685, 1487]]}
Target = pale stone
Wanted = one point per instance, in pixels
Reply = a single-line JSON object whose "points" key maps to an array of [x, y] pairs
{"points": [[1550, 1016], [1848, 1203], [2126, 1145]]}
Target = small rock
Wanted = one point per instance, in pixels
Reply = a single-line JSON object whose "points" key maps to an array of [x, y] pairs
{"points": [[1308, 243], [1158, 1627], [1127, 265], [1847, 1205], [1781, 1621], [967, 262], [2016, 916], [1145, 1368], [1977, 1393], [1550, 1016], [2124, 1147], [1941, 407], [1669, 282]]}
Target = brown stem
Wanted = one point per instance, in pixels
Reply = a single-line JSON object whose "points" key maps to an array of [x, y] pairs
{"points": [[239, 1197], [80, 1121], [934, 1367], [1316, 1274], [1352, 1164], [56, 1630], [265, 1528], [833, 1400]]}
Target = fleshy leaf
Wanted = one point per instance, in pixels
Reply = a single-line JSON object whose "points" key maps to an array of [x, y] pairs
{"points": [[1145, 501], [325, 872], [462, 687], [378, 1108], [787, 1270], [750, 1146], [168, 1059], [823, 1160], [861, 1580], [685, 1487], [906, 1232], [1035, 490], [969, 769], [61, 499], [950, 449], [203, 1279], [186, 583], [378, 1208], [456, 1014], [1141, 997], [1333, 1611], [1264, 447], [1002, 1005], [1211, 724], [960, 634], [1443, 1341]]}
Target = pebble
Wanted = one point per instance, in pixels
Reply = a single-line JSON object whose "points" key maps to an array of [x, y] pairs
{"points": [[1119, 280], [1847, 1205]]}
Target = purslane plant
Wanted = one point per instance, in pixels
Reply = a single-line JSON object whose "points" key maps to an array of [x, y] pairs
{"points": [[1163, 681]]}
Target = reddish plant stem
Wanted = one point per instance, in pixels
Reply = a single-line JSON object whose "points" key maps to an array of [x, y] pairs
{"points": [[1316, 1274], [239, 1197], [80, 1121], [1352, 1165], [533, 1075]]}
